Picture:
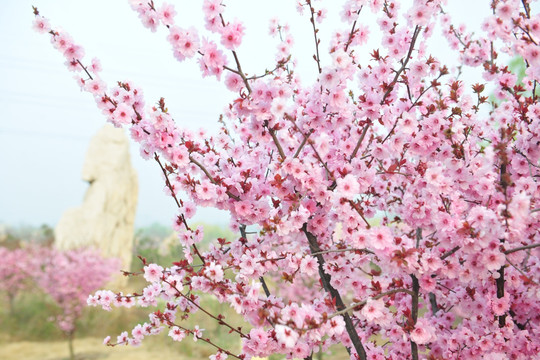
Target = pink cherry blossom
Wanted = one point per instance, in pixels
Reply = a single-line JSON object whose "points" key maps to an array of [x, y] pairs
{"points": [[153, 272], [286, 336], [41, 25], [231, 35], [177, 334], [214, 272], [167, 14], [423, 332]]}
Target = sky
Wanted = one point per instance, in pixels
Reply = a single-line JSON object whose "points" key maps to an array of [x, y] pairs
{"points": [[46, 122]]}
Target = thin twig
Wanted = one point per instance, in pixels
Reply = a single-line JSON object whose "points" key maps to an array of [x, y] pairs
{"points": [[521, 272], [342, 250], [219, 320], [359, 143], [349, 41], [210, 177], [276, 141], [261, 278], [532, 246], [315, 31], [362, 303], [206, 340], [302, 144], [450, 252], [239, 72]]}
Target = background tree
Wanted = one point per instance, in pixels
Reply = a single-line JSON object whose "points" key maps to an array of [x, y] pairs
{"points": [[68, 277]]}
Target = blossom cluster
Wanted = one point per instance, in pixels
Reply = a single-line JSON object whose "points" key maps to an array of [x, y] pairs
{"points": [[388, 200]]}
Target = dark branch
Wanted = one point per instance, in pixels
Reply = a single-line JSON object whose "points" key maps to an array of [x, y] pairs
{"points": [[325, 278]]}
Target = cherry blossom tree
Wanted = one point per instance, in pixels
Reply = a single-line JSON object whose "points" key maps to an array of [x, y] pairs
{"points": [[16, 272], [389, 206], [68, 277]]}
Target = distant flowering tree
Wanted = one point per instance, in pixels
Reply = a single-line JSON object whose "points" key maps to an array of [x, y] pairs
{"points": [[17, 267], [68, 277], [398, 208]]}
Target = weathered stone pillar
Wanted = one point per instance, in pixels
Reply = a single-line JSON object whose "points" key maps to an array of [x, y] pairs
{"points": [[105, 220]]}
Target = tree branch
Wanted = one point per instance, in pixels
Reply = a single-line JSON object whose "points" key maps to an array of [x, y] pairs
{"points": [[362, 303], [261, 278], [210, 177], [414, 313], [276, 141], [315, 31], [351, 34], [500, 294], [302, 144], [325, 278], [239, 72], [450, 252], [532, 246], [169, 185], [359, 143]]}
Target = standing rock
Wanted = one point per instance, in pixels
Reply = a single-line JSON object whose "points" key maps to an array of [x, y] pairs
{"points": [[105, 220]]}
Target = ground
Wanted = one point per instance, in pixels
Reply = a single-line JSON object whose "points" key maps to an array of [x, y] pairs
{"points": [[85, 349]]}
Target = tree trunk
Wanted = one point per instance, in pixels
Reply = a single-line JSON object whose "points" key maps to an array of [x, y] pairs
{"points": [[70, 344]]}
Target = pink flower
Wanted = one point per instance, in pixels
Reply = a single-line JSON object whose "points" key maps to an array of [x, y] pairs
{"points": [[173, 285], [153, 272], [41, 25], [336, 326], [150, 20], [373, 310], [243, 208], [286, 336], [177, 334], [122, 338], [234, 82], [74, 52], [212, 8], [95, 65], [180, 156], [423, 333], [213, 59], [185, 42], [123, 113], [214, 272], [138, 332], [166, 14], [493, 259], [231, 35], [500, 305], [189, 209], [347, 187], [505, 10], [197, 333], [309, 265], [380, 238], [219, 356], [206, 190], [96, 87]]}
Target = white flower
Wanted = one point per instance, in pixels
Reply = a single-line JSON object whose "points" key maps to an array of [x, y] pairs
{"points": [[286, 336]]}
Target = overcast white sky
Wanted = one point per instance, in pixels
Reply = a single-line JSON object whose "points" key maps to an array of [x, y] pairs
{"points": [[46, 121]]}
